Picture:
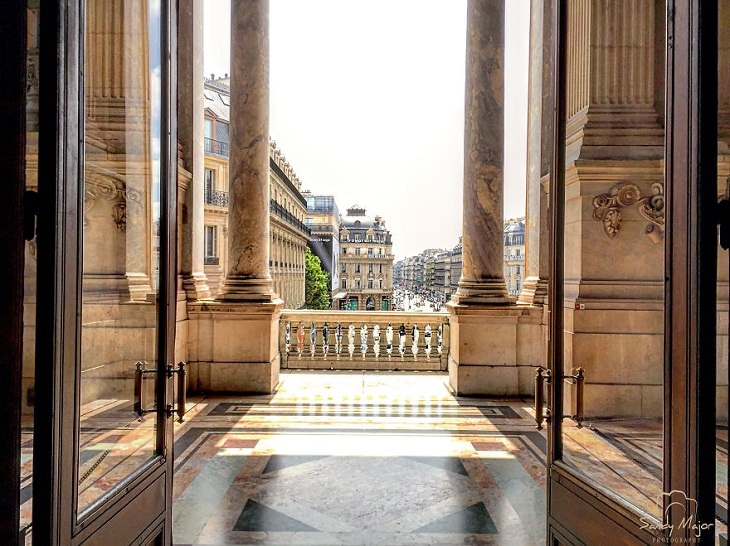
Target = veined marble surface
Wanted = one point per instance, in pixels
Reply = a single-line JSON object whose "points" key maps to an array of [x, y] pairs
{"points": [[359, 458]]}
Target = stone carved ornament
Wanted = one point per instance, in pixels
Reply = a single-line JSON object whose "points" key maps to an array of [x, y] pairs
{"points": [[651, 207], [100, 183]]}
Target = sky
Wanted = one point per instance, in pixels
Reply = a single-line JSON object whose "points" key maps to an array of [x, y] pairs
{"points": [[367, 104]]}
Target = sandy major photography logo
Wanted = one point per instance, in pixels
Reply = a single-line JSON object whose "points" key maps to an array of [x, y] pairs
{"points": [[676, 531]]}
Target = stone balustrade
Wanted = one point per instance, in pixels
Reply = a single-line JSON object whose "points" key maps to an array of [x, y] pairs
{"points": [[366, 340]]}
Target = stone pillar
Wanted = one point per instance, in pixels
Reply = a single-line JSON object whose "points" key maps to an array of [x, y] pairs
{"points": [[482, 278], [237, 336], [614, 255], [615, 95], [118, 154], [190, 135], [489, 336], [539, 147], [248, 277]]}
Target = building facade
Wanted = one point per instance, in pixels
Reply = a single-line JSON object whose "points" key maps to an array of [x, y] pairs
{"points": [[323, 221], [455, 263], [366, 262], [514, 255], [289, 235], [442, 276]]}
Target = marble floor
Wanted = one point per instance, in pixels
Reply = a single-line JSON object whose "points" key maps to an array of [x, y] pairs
{"points": [[364, 458], [359, 458]]}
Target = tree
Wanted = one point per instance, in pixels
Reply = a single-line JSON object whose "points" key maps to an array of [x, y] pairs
{"points": [[316, 295]]}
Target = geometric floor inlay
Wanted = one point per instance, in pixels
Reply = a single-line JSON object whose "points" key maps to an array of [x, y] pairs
{"points": [[258, 518], [359, 458], [472, 520]]}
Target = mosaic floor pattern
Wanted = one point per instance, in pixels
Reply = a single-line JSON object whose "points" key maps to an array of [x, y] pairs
{"points": [[359, 458]]}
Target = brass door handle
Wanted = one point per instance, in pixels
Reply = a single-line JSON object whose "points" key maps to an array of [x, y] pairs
{"points": [[544, 377], [180, 387]]}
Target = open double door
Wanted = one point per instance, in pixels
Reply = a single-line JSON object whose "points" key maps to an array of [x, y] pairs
{"points": [[89, 149]]}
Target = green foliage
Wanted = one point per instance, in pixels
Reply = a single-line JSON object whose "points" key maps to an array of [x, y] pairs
{"points": [[316, 295]]}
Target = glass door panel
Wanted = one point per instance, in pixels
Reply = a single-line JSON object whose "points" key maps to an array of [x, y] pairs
{"points": [[121, 257], [613, 251], [723, 265], [723, 313], [30, 273]]}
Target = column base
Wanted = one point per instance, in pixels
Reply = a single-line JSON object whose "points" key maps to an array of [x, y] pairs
{"points": [[483, 292], [234, 347], [247, 290], [196, 287], [534, 292], [494, 349]]}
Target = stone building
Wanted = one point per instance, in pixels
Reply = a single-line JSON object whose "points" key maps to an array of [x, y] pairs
{"points": [[442, 276], [323, 220], [455, 266], [287, 206], [514, 255], [366, 262]]}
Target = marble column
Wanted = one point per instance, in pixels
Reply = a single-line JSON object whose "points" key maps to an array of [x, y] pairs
{"points": [[539, 147], [482, 279], [248, 277], [190, 134]]}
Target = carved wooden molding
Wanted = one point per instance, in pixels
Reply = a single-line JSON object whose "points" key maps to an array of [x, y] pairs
{"points": [[651, 207]]}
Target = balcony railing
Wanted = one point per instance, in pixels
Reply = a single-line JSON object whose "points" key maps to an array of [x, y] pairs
{"points": [[216, 147], [366, 340], [289, 218], [212, 260], [216, 197]]}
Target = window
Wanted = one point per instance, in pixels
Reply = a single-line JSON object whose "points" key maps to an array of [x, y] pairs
{"points": [[211, 244], [370, 268], [370, 252], [343, 283], [381, 268], [344, 268], [357, 251], [344, 250], [357, 237], [358, 284], [370, 284], [357, 268], [518, 270], [209, 182], [381, 284], [221, 132]]}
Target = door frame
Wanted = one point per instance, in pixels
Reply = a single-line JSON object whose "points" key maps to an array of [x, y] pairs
{"points": [[139, 509], [13, 45], [579, 511]]}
